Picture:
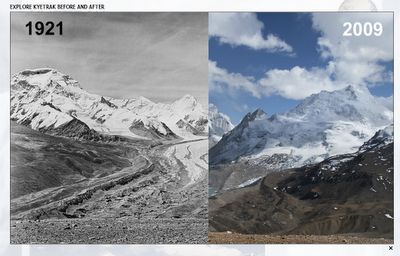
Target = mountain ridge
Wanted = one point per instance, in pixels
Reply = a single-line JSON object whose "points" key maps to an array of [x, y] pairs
{"points": [[46, 99], [219, 124], [322, 125]]}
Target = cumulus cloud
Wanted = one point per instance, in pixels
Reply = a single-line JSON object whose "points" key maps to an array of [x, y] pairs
{"points": [[244, 29], [299, 83], [358, 60], [220, 80], [296, 83], [350, 60]]}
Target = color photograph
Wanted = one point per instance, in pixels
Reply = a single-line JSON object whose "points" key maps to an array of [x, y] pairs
{"points": [[301, 128]]}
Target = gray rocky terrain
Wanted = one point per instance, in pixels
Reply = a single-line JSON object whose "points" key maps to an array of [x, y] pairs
{"points": [[106, 192], [87, 168]]}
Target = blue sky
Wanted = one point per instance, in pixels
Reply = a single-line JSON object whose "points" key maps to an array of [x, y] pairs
{"points": [[239, 46]]}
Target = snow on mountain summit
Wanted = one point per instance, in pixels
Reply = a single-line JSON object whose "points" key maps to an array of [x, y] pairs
{"points": [[218, 125], [381, 138], [186, 101], [352, 103], [43, 77], [322, 125], [46, 99]]}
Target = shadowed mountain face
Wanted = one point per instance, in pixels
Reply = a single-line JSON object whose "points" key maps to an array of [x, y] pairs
{"points": [[345, 194]]}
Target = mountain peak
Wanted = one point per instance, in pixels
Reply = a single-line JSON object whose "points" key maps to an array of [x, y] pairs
{"points": [[323, 124], [358, 90], [45, 99], [257, 114], [355, 91], [349, 88], [107, 102], [351, 103], [144, 100], [218, 124], [186, 101], [381, 138], [188, 98], [43, 78]]}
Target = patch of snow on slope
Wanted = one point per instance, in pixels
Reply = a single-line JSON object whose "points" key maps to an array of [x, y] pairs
{"points": [[389, 216], [249, 182]]}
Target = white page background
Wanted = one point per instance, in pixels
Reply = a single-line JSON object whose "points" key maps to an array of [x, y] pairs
{"points": [[200, 6]]}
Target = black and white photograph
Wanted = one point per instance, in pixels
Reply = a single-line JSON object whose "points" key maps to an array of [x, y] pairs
{"points": [[109, 128]]}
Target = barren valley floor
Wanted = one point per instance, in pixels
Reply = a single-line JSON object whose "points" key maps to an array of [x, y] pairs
{"points": [[236, 238], [66, 191]]}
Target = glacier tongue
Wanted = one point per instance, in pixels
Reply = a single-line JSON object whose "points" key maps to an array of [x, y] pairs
{"points": [[324, 124], [45, 98]]}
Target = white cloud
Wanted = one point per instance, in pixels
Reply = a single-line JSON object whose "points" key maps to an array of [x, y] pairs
{"points": [[244, 29], [351, 60], [199, 250], [298, 83], [357, 59], [221, 80]]}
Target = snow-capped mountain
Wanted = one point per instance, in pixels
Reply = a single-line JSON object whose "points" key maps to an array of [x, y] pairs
{"points": [[218, 125], [381, 138], [323, 125], [46, 99]]}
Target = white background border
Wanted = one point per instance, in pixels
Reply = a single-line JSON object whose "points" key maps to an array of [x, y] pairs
{"points": [[200, 6]]}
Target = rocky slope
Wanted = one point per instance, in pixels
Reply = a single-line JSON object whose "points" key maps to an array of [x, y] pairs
{"points": [[344, 194]]}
